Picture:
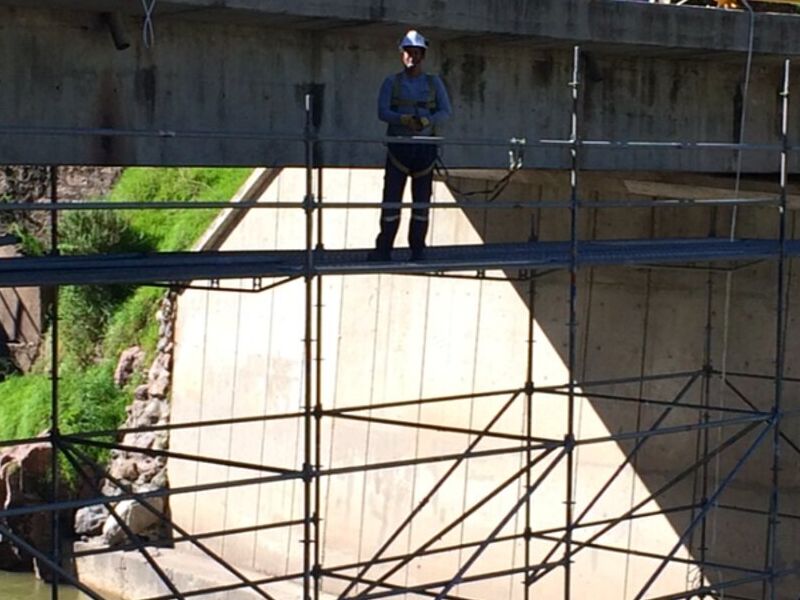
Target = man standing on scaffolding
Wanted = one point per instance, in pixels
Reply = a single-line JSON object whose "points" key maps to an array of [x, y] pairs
{"points": [[412, 103]]}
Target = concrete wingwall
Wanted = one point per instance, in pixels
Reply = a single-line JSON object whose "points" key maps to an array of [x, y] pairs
{"points": [[21, 318], [393, 338]]}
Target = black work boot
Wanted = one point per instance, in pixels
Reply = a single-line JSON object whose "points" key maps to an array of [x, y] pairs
{"points": [[416, 237], [418, 253], [383, 245], [379, 255]]}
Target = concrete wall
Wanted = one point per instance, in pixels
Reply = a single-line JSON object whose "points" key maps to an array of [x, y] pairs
{"points": [[21, 317], [248, 75], [390, 338]]}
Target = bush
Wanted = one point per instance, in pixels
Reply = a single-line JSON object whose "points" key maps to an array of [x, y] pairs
{"points": [[88, 400], [31, 244], [85, 310], [98, 232]]}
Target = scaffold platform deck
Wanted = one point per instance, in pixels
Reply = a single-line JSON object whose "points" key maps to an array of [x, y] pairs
{"points": [[218, 265]]}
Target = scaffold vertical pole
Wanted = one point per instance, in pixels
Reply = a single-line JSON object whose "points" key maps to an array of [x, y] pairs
{"points": [[529, 388], [54, 431], [704, 417], [780, 347], [308, 474], [318, 404], [573, 323]]}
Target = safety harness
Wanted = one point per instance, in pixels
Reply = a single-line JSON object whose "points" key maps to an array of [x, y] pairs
{"points": [[396, 102]]}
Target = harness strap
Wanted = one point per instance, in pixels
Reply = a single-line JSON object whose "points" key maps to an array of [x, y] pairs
{"points": [[404, 169], [397, 101]]}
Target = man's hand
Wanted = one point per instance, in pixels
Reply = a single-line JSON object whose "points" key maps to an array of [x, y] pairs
{"points": [[410, 122]]}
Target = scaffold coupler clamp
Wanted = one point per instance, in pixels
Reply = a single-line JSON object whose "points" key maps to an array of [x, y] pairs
{"points": [[516, 153]]}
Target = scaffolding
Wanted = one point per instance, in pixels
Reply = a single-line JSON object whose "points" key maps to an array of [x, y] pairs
{"points": [[745, 428]]}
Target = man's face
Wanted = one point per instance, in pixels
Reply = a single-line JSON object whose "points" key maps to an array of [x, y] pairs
{"points": [[413, 57]]}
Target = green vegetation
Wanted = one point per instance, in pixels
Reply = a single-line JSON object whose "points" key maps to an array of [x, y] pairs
{"points": [[86, 310], [176, 229], [30, 243], [98, 322], [88, 400]]}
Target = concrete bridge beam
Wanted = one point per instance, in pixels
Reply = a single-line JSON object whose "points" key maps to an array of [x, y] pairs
{"points": [[235, 76]]}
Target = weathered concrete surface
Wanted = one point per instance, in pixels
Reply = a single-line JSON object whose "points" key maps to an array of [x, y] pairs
{"points": [[400, 338], [555, 21], [656, 73]]}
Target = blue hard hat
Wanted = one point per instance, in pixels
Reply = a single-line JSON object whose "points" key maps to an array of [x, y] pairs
{"points": [[413, 39]]}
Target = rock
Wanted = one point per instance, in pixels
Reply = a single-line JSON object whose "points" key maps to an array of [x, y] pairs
{"points": [[141, 392], [130, 361], [109, 489], [147, 467], [125, 469], [159, 385], [160, 479], [160, 441], [24, 473], [153, 411], [160, 366], [33, 459], [141, 439], [89, 521], [138, 518]]}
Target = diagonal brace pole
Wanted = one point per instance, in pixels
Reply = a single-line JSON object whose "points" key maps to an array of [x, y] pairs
{"points": [[708, 505], [436, 487], [503, 522], [163, 518]]}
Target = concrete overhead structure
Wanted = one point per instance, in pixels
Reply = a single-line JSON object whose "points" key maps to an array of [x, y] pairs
{"points": [[221, 81]]}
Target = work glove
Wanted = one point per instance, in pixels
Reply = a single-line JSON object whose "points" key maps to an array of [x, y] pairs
{"points": [[410, 121]]}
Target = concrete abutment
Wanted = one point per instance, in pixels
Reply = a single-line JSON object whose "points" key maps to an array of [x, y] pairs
{"points": [[393, 338]]}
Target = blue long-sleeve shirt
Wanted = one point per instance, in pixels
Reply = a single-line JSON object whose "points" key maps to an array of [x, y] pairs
{"points": [[416, 89]]}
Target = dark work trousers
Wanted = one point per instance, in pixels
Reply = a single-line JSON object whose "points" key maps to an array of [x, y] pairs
{"points": [[418, 160]]}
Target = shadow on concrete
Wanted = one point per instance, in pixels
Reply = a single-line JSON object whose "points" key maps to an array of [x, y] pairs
{"points": [[642, 325]]}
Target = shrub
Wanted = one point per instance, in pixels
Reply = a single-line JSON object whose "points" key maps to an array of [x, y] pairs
{"points": [[85, 310]]}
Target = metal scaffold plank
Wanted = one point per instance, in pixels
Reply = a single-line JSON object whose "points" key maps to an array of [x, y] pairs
{"points": [[188, 266]]}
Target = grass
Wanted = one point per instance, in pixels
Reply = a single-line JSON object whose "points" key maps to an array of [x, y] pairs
{"points": [[176, 229], [88, 398]]}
